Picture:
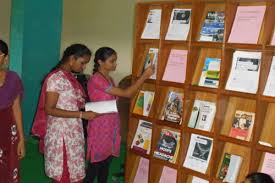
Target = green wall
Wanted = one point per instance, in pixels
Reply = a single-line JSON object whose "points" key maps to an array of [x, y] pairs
{"points": [[35, 45]]}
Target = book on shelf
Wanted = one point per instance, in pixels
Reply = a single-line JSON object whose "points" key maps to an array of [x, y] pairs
{"points": [[268, 165], [142, 173], [242, 125], [151, 59], [175, 69], [245, 72], [179, 24], [213, 27], [173, 107], [144, 103], [247, 24], [198, 180], [168, 145], [230, 167], [202, 115], [211, 73], [199, 153], [152, 26], [143, 136], [269, 89], [168, 175]]}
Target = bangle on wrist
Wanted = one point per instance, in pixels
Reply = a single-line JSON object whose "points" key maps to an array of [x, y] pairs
{"points": [[80, 114]]}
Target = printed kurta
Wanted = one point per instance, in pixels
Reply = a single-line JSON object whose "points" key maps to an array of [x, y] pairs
{"points": [[64, 130], [103, 131]]}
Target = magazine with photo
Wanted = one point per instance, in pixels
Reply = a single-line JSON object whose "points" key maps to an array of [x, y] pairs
{"points": [[179, 24], [199, 153], [245, 72], [213, 27], [168, 145], [174, 107], [242, 125]]}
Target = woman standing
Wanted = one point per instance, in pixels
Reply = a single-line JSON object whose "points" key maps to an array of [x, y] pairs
{"points": [[58, 119], [104, 131], [12, 147]]}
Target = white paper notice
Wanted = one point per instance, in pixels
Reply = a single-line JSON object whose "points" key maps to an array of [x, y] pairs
{"points": [[179, 24], [198, 180], [102, 106], [152, 26], [270, 84], [245, 71]]}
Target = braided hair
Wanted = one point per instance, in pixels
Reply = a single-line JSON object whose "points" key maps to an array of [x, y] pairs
{"points": [[102, 54]]}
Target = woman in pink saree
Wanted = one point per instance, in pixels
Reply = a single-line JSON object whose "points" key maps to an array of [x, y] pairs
{"points": [[104, 130], [58, 119]]}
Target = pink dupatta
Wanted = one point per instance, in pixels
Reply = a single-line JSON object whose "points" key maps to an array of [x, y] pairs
{"points": [[40, 121]]}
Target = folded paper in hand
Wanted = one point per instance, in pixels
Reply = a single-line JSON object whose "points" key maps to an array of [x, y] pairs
{"points": [[102, 106]]}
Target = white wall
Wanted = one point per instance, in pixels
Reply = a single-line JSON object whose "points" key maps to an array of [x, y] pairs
{"points": [[5, 11], [100, 23]]}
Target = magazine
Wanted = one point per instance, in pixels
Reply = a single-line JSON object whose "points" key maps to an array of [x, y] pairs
{"points": [[213, 27]]}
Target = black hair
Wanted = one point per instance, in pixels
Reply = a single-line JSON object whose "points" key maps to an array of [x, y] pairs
{"points": [[4, 47], [259, 178], [102, 54], [76, 50]]}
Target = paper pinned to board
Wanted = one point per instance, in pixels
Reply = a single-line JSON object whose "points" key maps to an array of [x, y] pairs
{"points": [[101, 107]]}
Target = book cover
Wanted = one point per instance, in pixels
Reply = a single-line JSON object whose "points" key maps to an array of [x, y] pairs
{"points": [[194, 114], [230, 168], [151, 59], [179, 24], [224, 166], [211, 73], [142, 139], [175, 69], [148, 102], [152, 26], [247, 24], [168, 145], [207, 111], [199, 153], [242, 125], [138, 108], [198, 180], [213, 27], [173, 108]]}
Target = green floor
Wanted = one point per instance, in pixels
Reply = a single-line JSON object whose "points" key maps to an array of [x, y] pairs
{"points": [[32, 166]]}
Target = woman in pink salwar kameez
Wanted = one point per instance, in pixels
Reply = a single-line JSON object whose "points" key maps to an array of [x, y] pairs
{"points": [[104, 130]]}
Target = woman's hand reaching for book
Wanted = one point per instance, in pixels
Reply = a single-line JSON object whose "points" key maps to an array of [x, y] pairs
{"points": [[149, 71]]}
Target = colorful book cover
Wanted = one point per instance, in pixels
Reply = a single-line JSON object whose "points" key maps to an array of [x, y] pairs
{"points": [[151, 59], [224, 166], [174, 107], [142, 139], [213, 27], [148, 102], [242, 125], [138, 109], [211, 73], [168, 145]]}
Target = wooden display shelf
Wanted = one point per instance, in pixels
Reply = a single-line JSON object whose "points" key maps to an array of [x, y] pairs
{"points": [[227, 101]]}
